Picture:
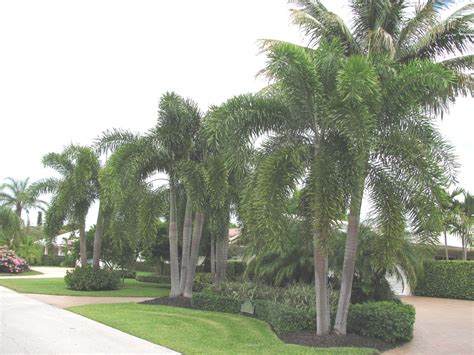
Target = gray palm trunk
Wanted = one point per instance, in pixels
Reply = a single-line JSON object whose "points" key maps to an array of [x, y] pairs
{"points": [[446, 245], [173, 239], [82, 243], [99, 231], [187, 230], [350, 255], [213, 257], [321, 287], [221, 258], [194, 254]]}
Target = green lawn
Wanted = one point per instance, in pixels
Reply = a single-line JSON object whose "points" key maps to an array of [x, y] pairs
{"points": [[132, 288], [199, 332], [26, 273]]}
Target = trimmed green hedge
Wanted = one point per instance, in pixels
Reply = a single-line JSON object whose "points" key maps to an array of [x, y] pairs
{"points": [[160, 279], [386, 320], [447, 279], [87, 279], [210, 302], [283, 318]]}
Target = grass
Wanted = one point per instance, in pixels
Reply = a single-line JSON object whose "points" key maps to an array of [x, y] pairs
{"points": [[26, 273], [199, 332], [56, 286]]}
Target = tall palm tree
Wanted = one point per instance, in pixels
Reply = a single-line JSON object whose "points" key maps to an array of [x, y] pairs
{"points": [[292, 117], [451, 208], [160, 151], [73, 192], [464, 222], [388, 28], [10, 227], [19, 195]]}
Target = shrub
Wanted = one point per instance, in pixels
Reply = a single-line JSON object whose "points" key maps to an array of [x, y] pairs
{"points": [[51, 260], [235, 269], [447, 279], [284, 318], [87, 279], [211, 302], [389, 321], [10, 262], [127, 274], [202, 280], [298, 295], [160, 279]]}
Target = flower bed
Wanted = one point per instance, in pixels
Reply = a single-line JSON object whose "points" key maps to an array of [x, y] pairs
{"points": [[10, 262]]}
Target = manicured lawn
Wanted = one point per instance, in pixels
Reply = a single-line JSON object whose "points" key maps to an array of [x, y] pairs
{"points": [[26, 273], [132, 288], [199, 332]]}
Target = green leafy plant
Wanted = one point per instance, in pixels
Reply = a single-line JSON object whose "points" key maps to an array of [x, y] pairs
{"points": [[87, 279], [211, 302], [389, 321], [447, 279], [161, 279]]}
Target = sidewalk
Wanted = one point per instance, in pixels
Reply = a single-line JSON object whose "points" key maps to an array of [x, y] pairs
{"points": [[28, 326]]}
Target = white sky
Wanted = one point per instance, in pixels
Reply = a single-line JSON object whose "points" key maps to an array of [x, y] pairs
{"points": [[72, 69]]}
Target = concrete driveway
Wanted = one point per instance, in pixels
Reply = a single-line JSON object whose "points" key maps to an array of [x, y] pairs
{"points": [[47, 272], [28, 326], [442, 326]]}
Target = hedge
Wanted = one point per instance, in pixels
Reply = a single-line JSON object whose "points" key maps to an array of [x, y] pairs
{"points": [[447, 279], [87, 279], [235, 269], [210, 302], [390, 321], [283, 318], [160, 279]]}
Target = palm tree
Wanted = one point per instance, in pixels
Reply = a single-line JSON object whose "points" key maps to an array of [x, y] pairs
{"points": [[451, 208], [160, 151], [464, 221], [74, 192], [19, 195], [10, 227], [387, 29], [292, 116]]}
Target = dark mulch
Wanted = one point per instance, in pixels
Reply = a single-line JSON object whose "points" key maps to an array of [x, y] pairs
{"points": [[309, 338], [178, 301]]}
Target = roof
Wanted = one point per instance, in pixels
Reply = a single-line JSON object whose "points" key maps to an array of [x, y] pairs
{"points": [[234, 234], [62, 239]]}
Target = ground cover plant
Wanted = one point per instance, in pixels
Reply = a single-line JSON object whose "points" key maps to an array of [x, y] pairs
{"points": [[57, 286], [194, 332]]}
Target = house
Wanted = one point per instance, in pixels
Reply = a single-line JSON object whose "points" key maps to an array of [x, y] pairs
{"points": [[60, 243]]}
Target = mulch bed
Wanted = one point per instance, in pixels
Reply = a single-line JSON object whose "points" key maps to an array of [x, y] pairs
{"points": [[178, 301], [309, 338]]}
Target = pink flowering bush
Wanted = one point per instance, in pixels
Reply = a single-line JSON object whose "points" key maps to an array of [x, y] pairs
{"points": [[10, 262]]}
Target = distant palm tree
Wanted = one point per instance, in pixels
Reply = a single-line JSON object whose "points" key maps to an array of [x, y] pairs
{"points": [[20, 195], [464, 222]]}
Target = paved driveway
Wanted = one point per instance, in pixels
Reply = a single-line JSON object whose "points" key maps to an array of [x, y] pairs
{"points": [[442, 326], [47, 272], [28, 326]]}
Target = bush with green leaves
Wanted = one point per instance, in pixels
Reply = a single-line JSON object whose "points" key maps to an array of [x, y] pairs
{"points": [[284, 318], [297, 295], [235, 269], [211, 302], [87, 279], [127, 274], [202, 280], [390, 321], [447, 279], [160, 279]]}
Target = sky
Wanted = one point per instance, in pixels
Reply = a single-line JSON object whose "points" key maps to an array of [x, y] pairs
{"points": [[71, 69]]}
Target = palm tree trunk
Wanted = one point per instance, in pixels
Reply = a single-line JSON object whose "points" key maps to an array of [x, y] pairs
{"points": [[193, 258], [99, 231], [173, 238], [446, 245], [82, 243], [213, 257], [348, 267], [321, 286], [18, 210], [187, 230], [221, 257], [464, 247]]}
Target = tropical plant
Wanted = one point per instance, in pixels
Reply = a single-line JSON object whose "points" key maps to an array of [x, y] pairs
{"points": [[464, 222], [20, 195], [451, 208], [73, 192], [30, 250], [10, 227], [387, 31]]}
